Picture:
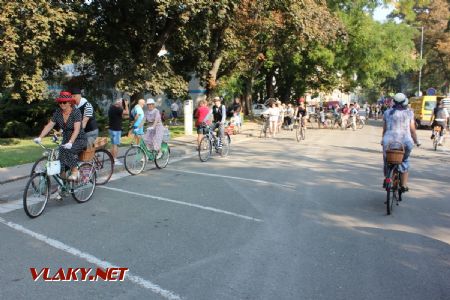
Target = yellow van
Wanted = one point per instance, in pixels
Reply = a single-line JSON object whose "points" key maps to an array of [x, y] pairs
{"points": [[423, 108]]}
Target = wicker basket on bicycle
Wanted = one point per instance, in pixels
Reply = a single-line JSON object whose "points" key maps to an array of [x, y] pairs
{"points": [[88, 154], [395, 153]]}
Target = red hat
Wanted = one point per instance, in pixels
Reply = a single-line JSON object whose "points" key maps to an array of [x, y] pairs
{"points": [[65, 96]]}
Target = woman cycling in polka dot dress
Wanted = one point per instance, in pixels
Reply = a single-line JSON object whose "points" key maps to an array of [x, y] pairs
{"points": [[68, 118]]}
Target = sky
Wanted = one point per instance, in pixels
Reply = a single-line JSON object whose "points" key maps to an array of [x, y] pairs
{"points": [[381, 12]]}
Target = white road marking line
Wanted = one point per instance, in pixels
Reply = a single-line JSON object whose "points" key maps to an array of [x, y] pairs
{"points": [[208, 208], [289, 186], [6, 208], [92, 259]]}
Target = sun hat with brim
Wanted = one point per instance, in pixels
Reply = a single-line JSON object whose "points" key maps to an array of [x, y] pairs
{"points": [[150, 101], [65, 96]]}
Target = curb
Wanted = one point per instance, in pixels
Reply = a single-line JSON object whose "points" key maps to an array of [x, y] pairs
{"points": [[175, 142]]}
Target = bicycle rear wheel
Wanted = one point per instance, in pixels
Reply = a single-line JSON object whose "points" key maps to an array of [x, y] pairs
{"points": [[135, 160], [204, 149], [226, 144], [392, 187], [164, 159], [104, 165], [83, 188], [36, 194]]}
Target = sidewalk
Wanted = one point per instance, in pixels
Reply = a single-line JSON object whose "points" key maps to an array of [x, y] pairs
{"points": [[180, 146]]}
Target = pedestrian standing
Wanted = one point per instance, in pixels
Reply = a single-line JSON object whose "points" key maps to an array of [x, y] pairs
{"points": [[137, 120], [116, 112], [174, 108], [237, 109]]}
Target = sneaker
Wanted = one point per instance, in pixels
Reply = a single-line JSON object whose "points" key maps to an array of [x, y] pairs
{"points": [[404, 189], [160, 154], [118, 163], [73, 177]]}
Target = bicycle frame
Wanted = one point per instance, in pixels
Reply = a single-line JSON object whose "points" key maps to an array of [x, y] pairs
{"points": [[151, 154]]}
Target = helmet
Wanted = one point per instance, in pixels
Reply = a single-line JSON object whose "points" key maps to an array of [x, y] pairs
{"points": [[400, 98]]}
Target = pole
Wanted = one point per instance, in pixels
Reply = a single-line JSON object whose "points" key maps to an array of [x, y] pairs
{"points": [[421, 53]]}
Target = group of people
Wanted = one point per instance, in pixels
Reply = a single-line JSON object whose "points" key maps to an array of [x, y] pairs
{"points": [[76, 118]]}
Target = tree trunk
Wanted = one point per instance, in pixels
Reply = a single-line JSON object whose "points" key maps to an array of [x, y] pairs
{"points": [[212, 76], [270, 89], [247, 95]]}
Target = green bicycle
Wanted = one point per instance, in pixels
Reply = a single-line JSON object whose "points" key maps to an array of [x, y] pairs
{"points": [[37, 190], [137, 156]]}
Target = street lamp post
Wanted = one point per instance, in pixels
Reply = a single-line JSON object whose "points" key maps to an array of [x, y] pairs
{"points": [[419, 93]]}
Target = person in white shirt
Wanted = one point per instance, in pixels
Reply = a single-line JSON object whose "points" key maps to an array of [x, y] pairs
{"points": [[174, 108]]}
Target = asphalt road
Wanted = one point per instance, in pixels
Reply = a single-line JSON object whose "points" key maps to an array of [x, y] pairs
{"points": [[275, 220]]}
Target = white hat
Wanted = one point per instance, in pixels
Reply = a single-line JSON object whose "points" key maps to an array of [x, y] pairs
{"points": [[150, 101], [400, 98]]}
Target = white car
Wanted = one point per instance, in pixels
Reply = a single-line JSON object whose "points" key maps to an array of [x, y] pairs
{"points": [[258, 109]]}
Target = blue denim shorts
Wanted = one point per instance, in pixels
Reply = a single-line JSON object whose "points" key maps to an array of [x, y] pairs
{"points": [[115, 136]]}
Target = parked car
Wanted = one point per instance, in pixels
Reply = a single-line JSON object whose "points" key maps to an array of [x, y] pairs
{"points": [[258, 109]]}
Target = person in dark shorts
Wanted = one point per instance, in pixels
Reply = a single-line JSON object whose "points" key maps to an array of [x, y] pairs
{"points": [[116, 112], [201, 115]]}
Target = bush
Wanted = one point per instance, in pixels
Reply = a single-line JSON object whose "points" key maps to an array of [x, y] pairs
{"points": [[15, 129], [20, 119]]}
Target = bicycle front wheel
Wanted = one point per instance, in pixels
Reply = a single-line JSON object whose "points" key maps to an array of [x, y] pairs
{"points": [[104, 165], [435, 143], [204, 149], [40, 166], [36, 194], [83, 188], [360, 124], [164, 159], [226, 144], [135, 160]]}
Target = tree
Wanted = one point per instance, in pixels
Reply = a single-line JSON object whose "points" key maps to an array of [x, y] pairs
{"points": [[30, 35], [434, 16]]}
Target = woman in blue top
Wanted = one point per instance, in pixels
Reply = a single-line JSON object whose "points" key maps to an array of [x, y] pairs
{"points": [[399, 127], [137, 116]]}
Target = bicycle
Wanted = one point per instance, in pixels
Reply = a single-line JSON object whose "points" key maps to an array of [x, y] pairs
{"points": [[437, 137], [394, 157], [209, 141], [137, 155], [37, 190], [264, 126], [102, 160], [300, 131], [360, 121]]}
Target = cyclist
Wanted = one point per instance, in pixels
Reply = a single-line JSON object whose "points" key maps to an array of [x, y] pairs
{"points": [[155, 131], [439, 118], [353, 115], [301, 114], [399, 127], [89, 124], [68, 118], [219, 112], [201, 115]]}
